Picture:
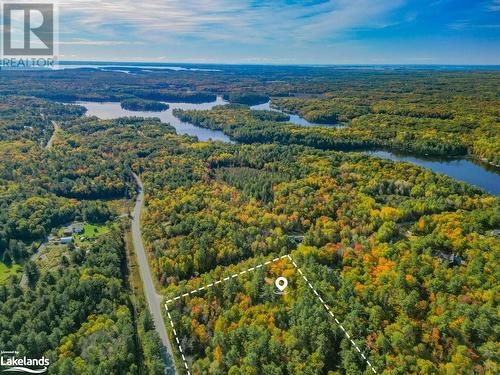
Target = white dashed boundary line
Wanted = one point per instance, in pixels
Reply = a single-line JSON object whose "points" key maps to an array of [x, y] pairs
{"points": [[177, 340], [332, 314], [308, 283]]}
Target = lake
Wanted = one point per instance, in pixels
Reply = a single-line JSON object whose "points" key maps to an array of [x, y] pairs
{"points": [[462, 169], [112, 110]]}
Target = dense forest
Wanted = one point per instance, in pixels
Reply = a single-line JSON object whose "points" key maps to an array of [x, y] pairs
{"points": [[422, 136], [246, 98], [406, 258], [27, 118], [73, 304], [377, 236], [74, 314]]}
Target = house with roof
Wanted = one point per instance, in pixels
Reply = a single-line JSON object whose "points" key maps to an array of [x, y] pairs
{"points": [[65, 240], [78, 228]]}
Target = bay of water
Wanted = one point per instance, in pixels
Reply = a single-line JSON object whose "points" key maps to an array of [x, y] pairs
{"points": [[294, 119], [460, 169], [112, 110]]}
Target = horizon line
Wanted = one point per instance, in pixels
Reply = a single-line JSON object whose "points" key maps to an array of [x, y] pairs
{"points": [[155, 62]]}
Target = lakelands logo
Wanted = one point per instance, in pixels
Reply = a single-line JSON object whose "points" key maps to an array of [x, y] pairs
{"points": [[10, 362], [29, 34]]}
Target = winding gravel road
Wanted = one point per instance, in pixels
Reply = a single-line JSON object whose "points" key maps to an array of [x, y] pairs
{"points": [[154, 299]]}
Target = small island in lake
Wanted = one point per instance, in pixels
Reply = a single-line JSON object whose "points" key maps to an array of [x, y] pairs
{"points": [[143, 105], [247, 98]]}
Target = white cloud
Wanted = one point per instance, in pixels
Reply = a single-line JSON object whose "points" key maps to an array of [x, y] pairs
{"points": [[87, 42], [245, 21], [494, 6], [459, 25]]}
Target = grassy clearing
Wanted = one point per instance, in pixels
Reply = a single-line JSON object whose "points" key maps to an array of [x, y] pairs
{"points": [[90, 231], [94, 230], [8, 271]]}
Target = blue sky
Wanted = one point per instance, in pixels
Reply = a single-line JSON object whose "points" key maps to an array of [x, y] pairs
{"points": [[282, 31]]}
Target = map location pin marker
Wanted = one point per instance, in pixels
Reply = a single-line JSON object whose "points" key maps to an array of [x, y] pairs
{"points": [[281, 283]]}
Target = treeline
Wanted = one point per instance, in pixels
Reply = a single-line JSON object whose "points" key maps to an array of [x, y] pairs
{"points": [[67, 170], [174, 96], [415, 89], [429, 113], [335, 108], [361, 135], [27, 118], [270, 116], [78, 168], [30, 215]]}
